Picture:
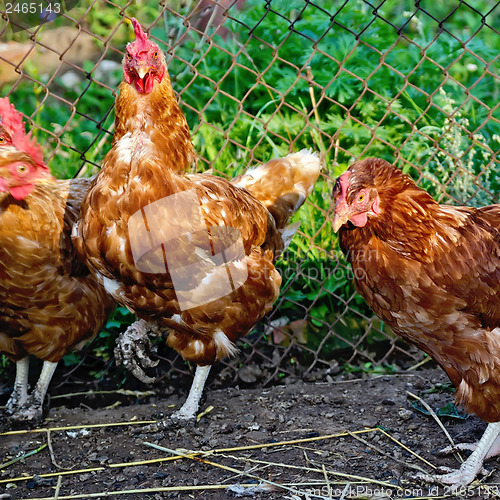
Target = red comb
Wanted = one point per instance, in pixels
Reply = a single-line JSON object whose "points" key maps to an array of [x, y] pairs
{"points": [[12, 120], [141, 39]]}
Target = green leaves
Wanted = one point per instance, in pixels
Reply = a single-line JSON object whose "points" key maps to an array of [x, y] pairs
{"points": [[448, 410]]}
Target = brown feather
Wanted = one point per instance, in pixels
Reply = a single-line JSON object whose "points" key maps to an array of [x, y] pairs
{"points": [[146, 166], [49, 303]]}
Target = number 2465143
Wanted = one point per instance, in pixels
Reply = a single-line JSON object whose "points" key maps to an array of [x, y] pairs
{"points": [[32, 8]]}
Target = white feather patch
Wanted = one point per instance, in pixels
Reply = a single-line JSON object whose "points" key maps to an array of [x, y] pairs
{"points": [[113, 287], [124, 148], [198, 347], [289, 232], [224, 345], [74, 229], [177, 318]]}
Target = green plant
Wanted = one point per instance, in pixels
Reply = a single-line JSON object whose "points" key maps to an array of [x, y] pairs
{"points": [[371, 369], [455, 161]]}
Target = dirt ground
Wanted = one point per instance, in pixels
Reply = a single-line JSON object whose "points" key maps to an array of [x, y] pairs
{"points": [[339, 439]]}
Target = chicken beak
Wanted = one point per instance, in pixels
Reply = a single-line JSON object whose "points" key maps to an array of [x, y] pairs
{"points": [[142, 70], [340, 216], [338, 221]]}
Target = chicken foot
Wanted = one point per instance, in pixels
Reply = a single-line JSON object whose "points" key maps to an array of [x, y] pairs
{"points": [[31, 409], [133, 349], [488, 446]]}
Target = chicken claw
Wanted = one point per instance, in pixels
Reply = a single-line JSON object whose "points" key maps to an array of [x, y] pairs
{"points": [[30, 413], [454, 478], [486, 447], [492, 452], [133, 350], [28, 408]]}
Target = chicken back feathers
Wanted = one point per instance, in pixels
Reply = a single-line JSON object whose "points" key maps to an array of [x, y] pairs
{"points": [[282, 185], [430, 271], [192, 252]]}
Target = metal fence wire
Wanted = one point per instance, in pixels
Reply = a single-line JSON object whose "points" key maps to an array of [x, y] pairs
{"points": [[413, 82]]}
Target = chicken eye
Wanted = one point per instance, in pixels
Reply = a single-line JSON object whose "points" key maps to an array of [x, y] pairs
{"points": [[128, 56], [361, 197], [2, 140], [155, 55], [21, 169]]}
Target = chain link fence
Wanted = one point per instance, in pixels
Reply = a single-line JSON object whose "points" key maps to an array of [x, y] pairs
{"points": [[413, 82]]}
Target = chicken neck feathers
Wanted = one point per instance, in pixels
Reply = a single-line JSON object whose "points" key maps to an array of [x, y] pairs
{"points": [[156, 123]]}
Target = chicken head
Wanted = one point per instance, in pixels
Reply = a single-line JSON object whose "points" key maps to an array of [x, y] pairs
{"points": [[352, 203], [19, 173], [144, 62]]}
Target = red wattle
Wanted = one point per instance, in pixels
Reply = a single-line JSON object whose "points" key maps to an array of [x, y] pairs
{"points": [[20, 192]]}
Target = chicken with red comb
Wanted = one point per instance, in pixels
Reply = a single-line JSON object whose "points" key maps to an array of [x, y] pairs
{"points": [[49, 302], [190, 254], [432, 273], [144, 62]]}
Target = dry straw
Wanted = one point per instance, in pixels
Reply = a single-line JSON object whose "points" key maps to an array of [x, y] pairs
{"points": [[253, 467]]}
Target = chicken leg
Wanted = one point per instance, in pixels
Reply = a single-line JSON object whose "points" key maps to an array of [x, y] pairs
{"points": [[188, 410], [133, 350], [20, 393], [32, 409]]}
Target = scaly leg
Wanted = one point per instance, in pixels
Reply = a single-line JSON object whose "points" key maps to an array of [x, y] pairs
{"points": [[20, 393], [38, 395], [474, 464], [190, 407], [32, 410]]}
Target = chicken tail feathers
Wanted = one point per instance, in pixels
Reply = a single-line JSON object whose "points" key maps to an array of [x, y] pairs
{"points": [[283, 184]]}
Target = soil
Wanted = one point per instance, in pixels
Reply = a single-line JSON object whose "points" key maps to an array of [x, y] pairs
{"points": [[360, 438]]}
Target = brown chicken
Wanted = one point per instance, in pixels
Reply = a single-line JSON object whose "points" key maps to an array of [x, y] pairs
{"points": [[432, 273], [49, 302], [192, 254]]}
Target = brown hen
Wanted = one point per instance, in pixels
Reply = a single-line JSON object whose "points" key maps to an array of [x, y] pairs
{"points": [[190, 253], [49, 302], [432, 273]]}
